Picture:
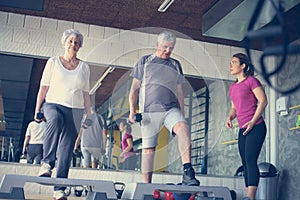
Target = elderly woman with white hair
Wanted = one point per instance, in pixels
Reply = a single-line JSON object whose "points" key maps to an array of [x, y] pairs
{"points": [[64, 93]]}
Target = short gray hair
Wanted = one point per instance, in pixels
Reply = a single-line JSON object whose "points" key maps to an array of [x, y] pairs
{"points": [[68, 33], [166, 36]]}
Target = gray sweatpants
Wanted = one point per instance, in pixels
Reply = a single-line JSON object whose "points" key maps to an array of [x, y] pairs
{"points": [[62, 128]]}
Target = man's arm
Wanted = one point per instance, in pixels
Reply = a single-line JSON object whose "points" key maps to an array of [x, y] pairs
{"points": [[133, 98], [104, 134], [26, 142], [27, 137], [78, 139]]}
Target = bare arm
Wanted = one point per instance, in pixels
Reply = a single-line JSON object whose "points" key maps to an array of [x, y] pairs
{"points": [[262, 102], [104, 134], [26, 142], [130, 145], [40, 99], [180, 97], [78, 139], [87, 104], [133, 97], [231, 116], [128, 148]]}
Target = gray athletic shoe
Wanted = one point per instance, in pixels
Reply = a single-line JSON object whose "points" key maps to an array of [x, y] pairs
{"points": [[45, 170], [189, 178]]}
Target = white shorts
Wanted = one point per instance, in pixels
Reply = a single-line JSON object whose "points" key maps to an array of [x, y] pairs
{"points": [[151, 125], [90, 154]]}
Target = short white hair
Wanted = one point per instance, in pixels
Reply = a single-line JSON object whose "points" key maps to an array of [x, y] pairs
{"points": [[68, 33], [166, 36]]}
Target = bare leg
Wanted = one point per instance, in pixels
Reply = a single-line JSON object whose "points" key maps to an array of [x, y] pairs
{"points": [[147, 164], [184, 145], [184, 141], [251, 192], [95, 164]]}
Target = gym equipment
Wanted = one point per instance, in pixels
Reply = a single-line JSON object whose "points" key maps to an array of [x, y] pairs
{"points": [[23, 159], [145, 191], [159, 195], [137, 118], [77, 152], [298, 121], [266, 35], [167, 195], [78, 190], [11, 186], [119, 187], [40, 115], [87, 123]]}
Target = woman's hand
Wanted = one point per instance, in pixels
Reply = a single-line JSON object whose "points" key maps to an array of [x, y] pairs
{"points": [[40, 99], [231, 116], [228, 123], [122, 155], [122, 159], [249, 125]]}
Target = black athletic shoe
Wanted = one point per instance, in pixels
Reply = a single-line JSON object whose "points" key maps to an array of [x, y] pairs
{"points": [[189, 178]]}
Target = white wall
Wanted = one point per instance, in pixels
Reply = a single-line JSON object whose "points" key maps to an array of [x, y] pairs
{"points": [[40, 37]]}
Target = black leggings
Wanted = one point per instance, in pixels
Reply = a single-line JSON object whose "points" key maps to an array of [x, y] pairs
{"points": [[249, 149]]}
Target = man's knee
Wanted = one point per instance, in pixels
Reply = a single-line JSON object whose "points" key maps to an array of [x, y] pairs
{"points": [[180, 128], [149, 150]]}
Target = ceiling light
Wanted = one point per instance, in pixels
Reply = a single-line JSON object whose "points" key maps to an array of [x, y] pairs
{"points": [[165, 5]]}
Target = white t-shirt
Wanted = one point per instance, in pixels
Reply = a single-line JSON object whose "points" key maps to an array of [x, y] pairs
{"points": [[36, 132], [66, 86]]}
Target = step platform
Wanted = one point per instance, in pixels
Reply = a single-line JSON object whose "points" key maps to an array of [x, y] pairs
{"points": [[138, 191], [11, 186]]}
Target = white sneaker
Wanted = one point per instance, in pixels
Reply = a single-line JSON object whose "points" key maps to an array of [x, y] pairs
{"points": [[45, 170], [59, 195]]}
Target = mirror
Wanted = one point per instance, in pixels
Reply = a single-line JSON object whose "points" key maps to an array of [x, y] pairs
{"points": [[214, 147]]}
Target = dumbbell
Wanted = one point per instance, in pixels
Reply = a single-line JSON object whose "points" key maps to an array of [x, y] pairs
{"points": [[39, 116], [87, 123], [137, 118], [78, 153]]}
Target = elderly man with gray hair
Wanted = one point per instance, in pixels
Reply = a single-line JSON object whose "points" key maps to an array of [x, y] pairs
{"points": [[157, 80]]}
